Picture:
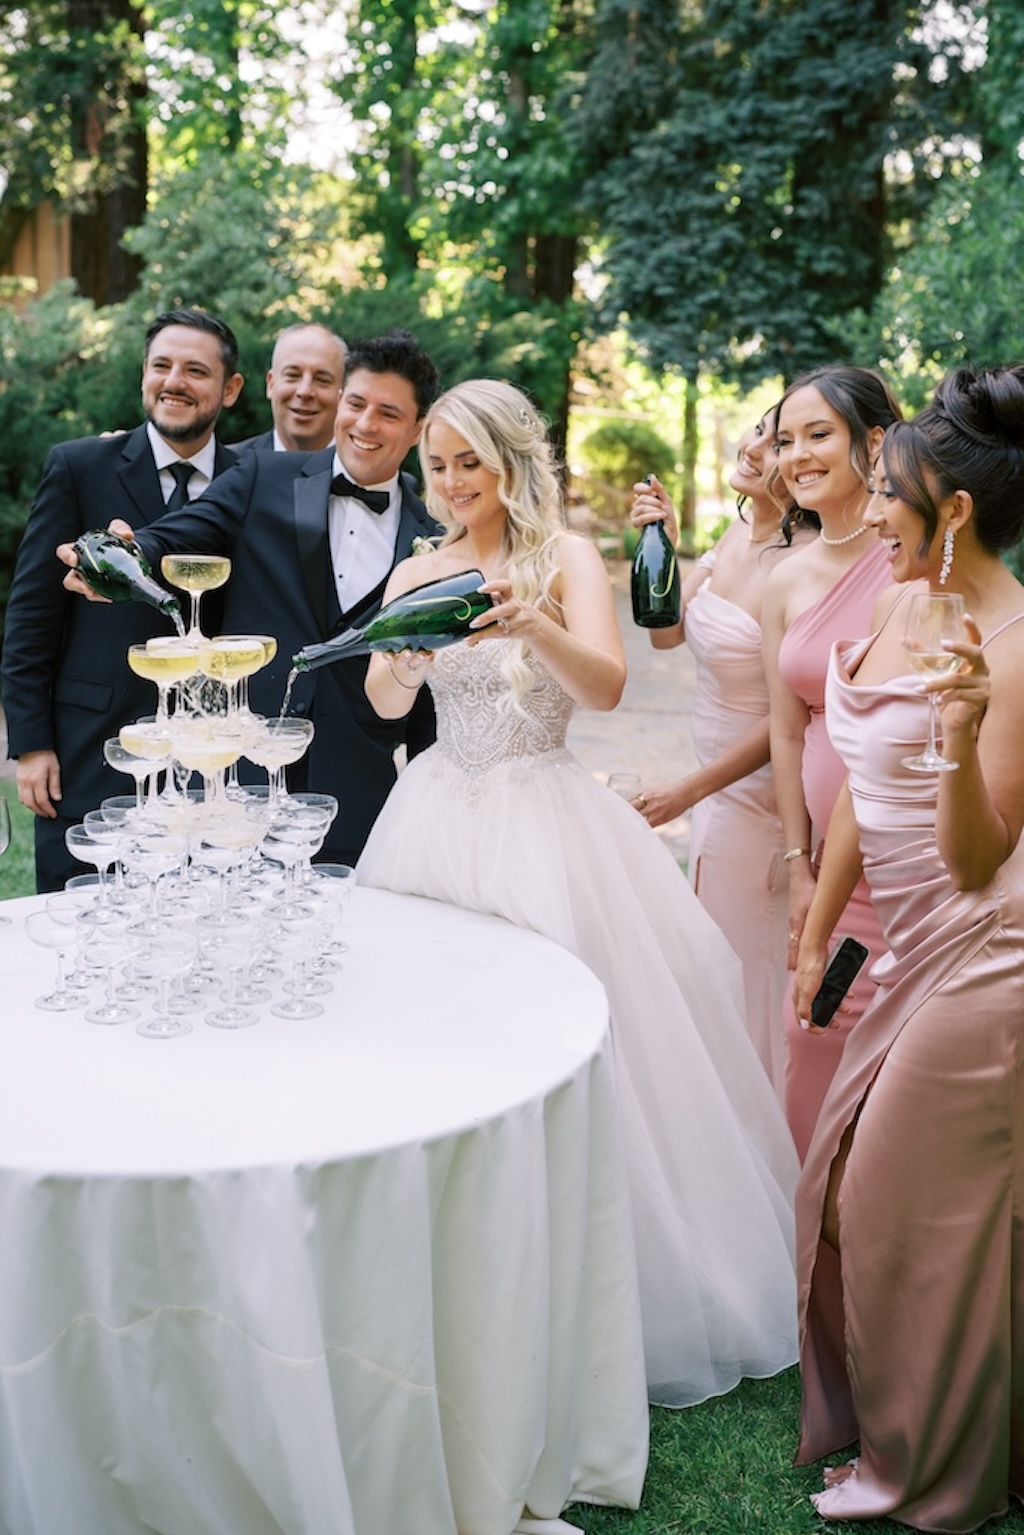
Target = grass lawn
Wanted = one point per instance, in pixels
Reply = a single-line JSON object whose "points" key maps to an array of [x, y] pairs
{"points": [[17, 866], [725, 1468]]}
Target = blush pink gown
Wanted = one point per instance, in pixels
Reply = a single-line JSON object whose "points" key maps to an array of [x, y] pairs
{"points": [[846, 608], [736, 842], [917, 1347]]}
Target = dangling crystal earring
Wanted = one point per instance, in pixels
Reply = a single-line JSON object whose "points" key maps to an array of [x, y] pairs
{"points": [[947, 556]]}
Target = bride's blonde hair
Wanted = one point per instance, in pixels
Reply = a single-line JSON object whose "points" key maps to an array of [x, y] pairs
{"points": [[508, 436]]}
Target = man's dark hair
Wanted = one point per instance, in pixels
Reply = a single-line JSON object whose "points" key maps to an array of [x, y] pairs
{"points": [[198, 319], [397, 352]]}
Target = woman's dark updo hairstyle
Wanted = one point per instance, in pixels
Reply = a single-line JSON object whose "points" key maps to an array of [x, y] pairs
{"points": [[860, 396], [971, 437]]}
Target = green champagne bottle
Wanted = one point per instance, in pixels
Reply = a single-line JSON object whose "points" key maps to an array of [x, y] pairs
{"points": [[654, 580], [117, 569], [426, 618]]}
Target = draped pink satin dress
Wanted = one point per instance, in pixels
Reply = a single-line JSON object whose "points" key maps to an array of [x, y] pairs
{"points": [[736, 841], [920, 1350], [845, 609]]}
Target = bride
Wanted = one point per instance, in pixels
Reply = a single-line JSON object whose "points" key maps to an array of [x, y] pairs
{"points": [[499, 817]]}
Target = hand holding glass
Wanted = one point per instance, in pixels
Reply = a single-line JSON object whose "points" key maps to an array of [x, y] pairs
{"points": [[932, 618]]}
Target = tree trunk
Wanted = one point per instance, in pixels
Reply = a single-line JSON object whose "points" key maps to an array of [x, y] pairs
{"points": [[103, 270]]}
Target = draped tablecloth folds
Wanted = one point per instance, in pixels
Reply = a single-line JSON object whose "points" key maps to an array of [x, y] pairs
{"points": [[366, 1274]]}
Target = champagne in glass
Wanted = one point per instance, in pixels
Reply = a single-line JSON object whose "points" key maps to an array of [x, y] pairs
{"points": [[932, 618], [167, 661], [195, 574]]}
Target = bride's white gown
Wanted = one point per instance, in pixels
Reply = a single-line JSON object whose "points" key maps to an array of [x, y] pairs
{"points": [[499, 816]]}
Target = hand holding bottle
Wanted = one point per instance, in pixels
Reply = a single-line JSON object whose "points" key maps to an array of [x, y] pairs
{"points": [[68, 555], [652, 503], [502, 618]]}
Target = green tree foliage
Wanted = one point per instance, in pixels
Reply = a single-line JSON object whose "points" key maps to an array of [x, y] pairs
{"points": [[222, 81], [737, 155], [614, 457], [72, 100], [952, 294], [464, 170], [49, 353]]}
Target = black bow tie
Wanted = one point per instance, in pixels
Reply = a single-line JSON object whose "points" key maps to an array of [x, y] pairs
{"points": [[377, 500]]}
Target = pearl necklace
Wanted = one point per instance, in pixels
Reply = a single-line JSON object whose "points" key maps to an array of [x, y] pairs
{"points": [[847, 538]]}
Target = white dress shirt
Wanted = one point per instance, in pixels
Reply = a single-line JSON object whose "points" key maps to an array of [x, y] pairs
{"points": [[362, 542], [204, 463]]}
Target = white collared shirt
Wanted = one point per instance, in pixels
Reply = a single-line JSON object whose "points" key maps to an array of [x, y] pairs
{"points": [[204, 462], [362, 542]]}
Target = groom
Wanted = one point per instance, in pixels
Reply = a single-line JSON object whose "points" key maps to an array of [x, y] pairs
{"points": [[312, 540]]}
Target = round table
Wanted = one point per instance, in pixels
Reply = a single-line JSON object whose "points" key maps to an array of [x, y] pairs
{"points": [[370, 1273]]}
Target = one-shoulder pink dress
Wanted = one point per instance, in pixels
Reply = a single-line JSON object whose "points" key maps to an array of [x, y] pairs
{"points": [[845, 609], [736, 842], [917, 1347]]}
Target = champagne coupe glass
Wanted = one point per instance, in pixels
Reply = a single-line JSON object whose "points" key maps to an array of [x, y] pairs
{"points": [[207, 745], [124, 760], [275, 743], [323, 807], [932, 617], [65, 907], [195, 574], [99, 851], [165, 956], [626, 785], [59, 937], [110, 947], [230, 658], [5, 840], [298, 939], [269, 644], [230, 950], [291, 839], [153, 854], [336, 881], [167, 661]]}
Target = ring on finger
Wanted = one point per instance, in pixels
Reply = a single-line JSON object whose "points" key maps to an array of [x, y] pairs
{"points": [[504, 625]]}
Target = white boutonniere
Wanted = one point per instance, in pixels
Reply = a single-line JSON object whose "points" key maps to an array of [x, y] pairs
{"points": [[423, 546]]}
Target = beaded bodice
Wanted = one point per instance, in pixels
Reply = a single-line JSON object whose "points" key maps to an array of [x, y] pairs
{"points": [[474, 731]]}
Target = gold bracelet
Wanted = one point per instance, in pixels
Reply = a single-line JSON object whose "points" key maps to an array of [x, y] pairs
{"points": [[795, 852], [410, 687]]}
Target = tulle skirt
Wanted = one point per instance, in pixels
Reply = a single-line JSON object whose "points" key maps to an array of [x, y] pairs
{"points": [[711, 1163]]}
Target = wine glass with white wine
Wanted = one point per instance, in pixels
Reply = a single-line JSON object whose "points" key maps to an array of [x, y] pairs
{"points": [[932, 618], [195, 574]]}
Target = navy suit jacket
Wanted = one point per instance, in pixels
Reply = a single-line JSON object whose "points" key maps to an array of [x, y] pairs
{"points": [[65, 679], [270, 514]]}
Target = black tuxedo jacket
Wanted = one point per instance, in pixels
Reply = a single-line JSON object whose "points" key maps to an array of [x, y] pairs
{"points": [[269, 513], [65, 680]]}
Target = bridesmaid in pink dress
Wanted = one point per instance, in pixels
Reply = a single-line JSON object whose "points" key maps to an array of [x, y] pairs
{"points": [[828, 428], [911, 1243], [736, 847]]}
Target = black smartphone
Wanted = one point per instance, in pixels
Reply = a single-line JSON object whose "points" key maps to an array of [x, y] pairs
{"points": [[847, 958]]}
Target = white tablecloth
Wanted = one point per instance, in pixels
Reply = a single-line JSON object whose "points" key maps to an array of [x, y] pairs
{"points": [[366, 1274]]}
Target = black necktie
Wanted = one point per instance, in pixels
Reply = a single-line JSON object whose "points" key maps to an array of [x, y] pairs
{"points": [[377, 500], [181, 473]]}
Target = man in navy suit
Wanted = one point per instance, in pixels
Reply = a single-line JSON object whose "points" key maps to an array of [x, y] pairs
{"points": [[303, 387], [65, 679], [312, 540]]}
